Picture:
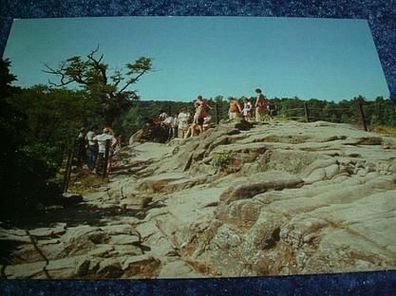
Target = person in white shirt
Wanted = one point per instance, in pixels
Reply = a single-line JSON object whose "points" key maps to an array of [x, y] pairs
{"points": [[168, 122], [247, 109], [162, 117], [92, 150], [101, 140], [174, 127], [183, 125], [207, 124]]}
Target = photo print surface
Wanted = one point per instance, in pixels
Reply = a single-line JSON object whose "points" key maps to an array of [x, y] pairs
{"points": [[193, 147]]}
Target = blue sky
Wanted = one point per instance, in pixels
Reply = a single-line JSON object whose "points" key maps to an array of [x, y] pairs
{"points": [[329, 59]]}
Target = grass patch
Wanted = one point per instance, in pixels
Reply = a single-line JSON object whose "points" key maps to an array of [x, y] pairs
{"points": [[85, 182], [386, 130], [221, 160]]}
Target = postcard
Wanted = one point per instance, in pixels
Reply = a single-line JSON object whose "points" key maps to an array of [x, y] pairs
{"points": [[194, 147]]}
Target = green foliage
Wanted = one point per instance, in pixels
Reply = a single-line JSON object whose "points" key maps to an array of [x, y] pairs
{"points": [[55, 115], [221, 160], [25, 171], [39, 122], [133, 120], [135, 117], [381, 112], [6, 78], [111, 89], [141, 64], [378, 112]]}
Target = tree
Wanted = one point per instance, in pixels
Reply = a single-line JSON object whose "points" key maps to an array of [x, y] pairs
{"points": [[24, 177], [12, 121], [56, 115], [6, 79], [111, 89]]}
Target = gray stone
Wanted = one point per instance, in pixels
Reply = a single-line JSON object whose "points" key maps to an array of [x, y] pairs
{"points": [[178, 269], [54, 231], [118, 229], [109, 268], [295, 198], [28, 270], [123, 239], [142, 266], [250, 190]]}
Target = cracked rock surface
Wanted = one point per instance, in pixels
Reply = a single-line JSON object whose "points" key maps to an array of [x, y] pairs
{"points": [[291, 198]]}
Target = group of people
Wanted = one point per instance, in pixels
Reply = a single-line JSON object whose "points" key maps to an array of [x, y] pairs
{"points": [[264, 109], [91, 147], [183, 125]]}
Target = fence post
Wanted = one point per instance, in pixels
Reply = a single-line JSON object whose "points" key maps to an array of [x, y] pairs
{"points": [[217, 113], [106, 158], [360, 105], [306, 112], [69, 163]]}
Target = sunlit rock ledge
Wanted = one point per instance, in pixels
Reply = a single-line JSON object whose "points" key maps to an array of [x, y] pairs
{"points": [[279, 198]]}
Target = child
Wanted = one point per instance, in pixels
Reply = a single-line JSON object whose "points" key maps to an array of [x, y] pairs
{"points": [[247, 109]]}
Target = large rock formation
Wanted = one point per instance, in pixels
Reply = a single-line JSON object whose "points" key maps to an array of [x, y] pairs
{"points": [[278, 198]]}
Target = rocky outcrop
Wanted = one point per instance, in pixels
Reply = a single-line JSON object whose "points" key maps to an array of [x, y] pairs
{"points": [[252, 189], [238, 200]]}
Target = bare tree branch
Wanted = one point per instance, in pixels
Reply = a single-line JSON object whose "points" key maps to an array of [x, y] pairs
{"points": [[132, 81], [110, 87], [97, 63], [58, 72]]}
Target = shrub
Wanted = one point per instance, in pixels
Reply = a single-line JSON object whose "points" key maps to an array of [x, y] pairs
{"points": [[221, 160]]}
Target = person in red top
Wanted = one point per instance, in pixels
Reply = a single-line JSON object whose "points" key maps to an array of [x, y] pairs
{"points": [[261, 105]]}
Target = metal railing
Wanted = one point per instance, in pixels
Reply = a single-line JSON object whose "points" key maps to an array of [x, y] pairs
{"points": [[307, 113], [304, 113]]}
